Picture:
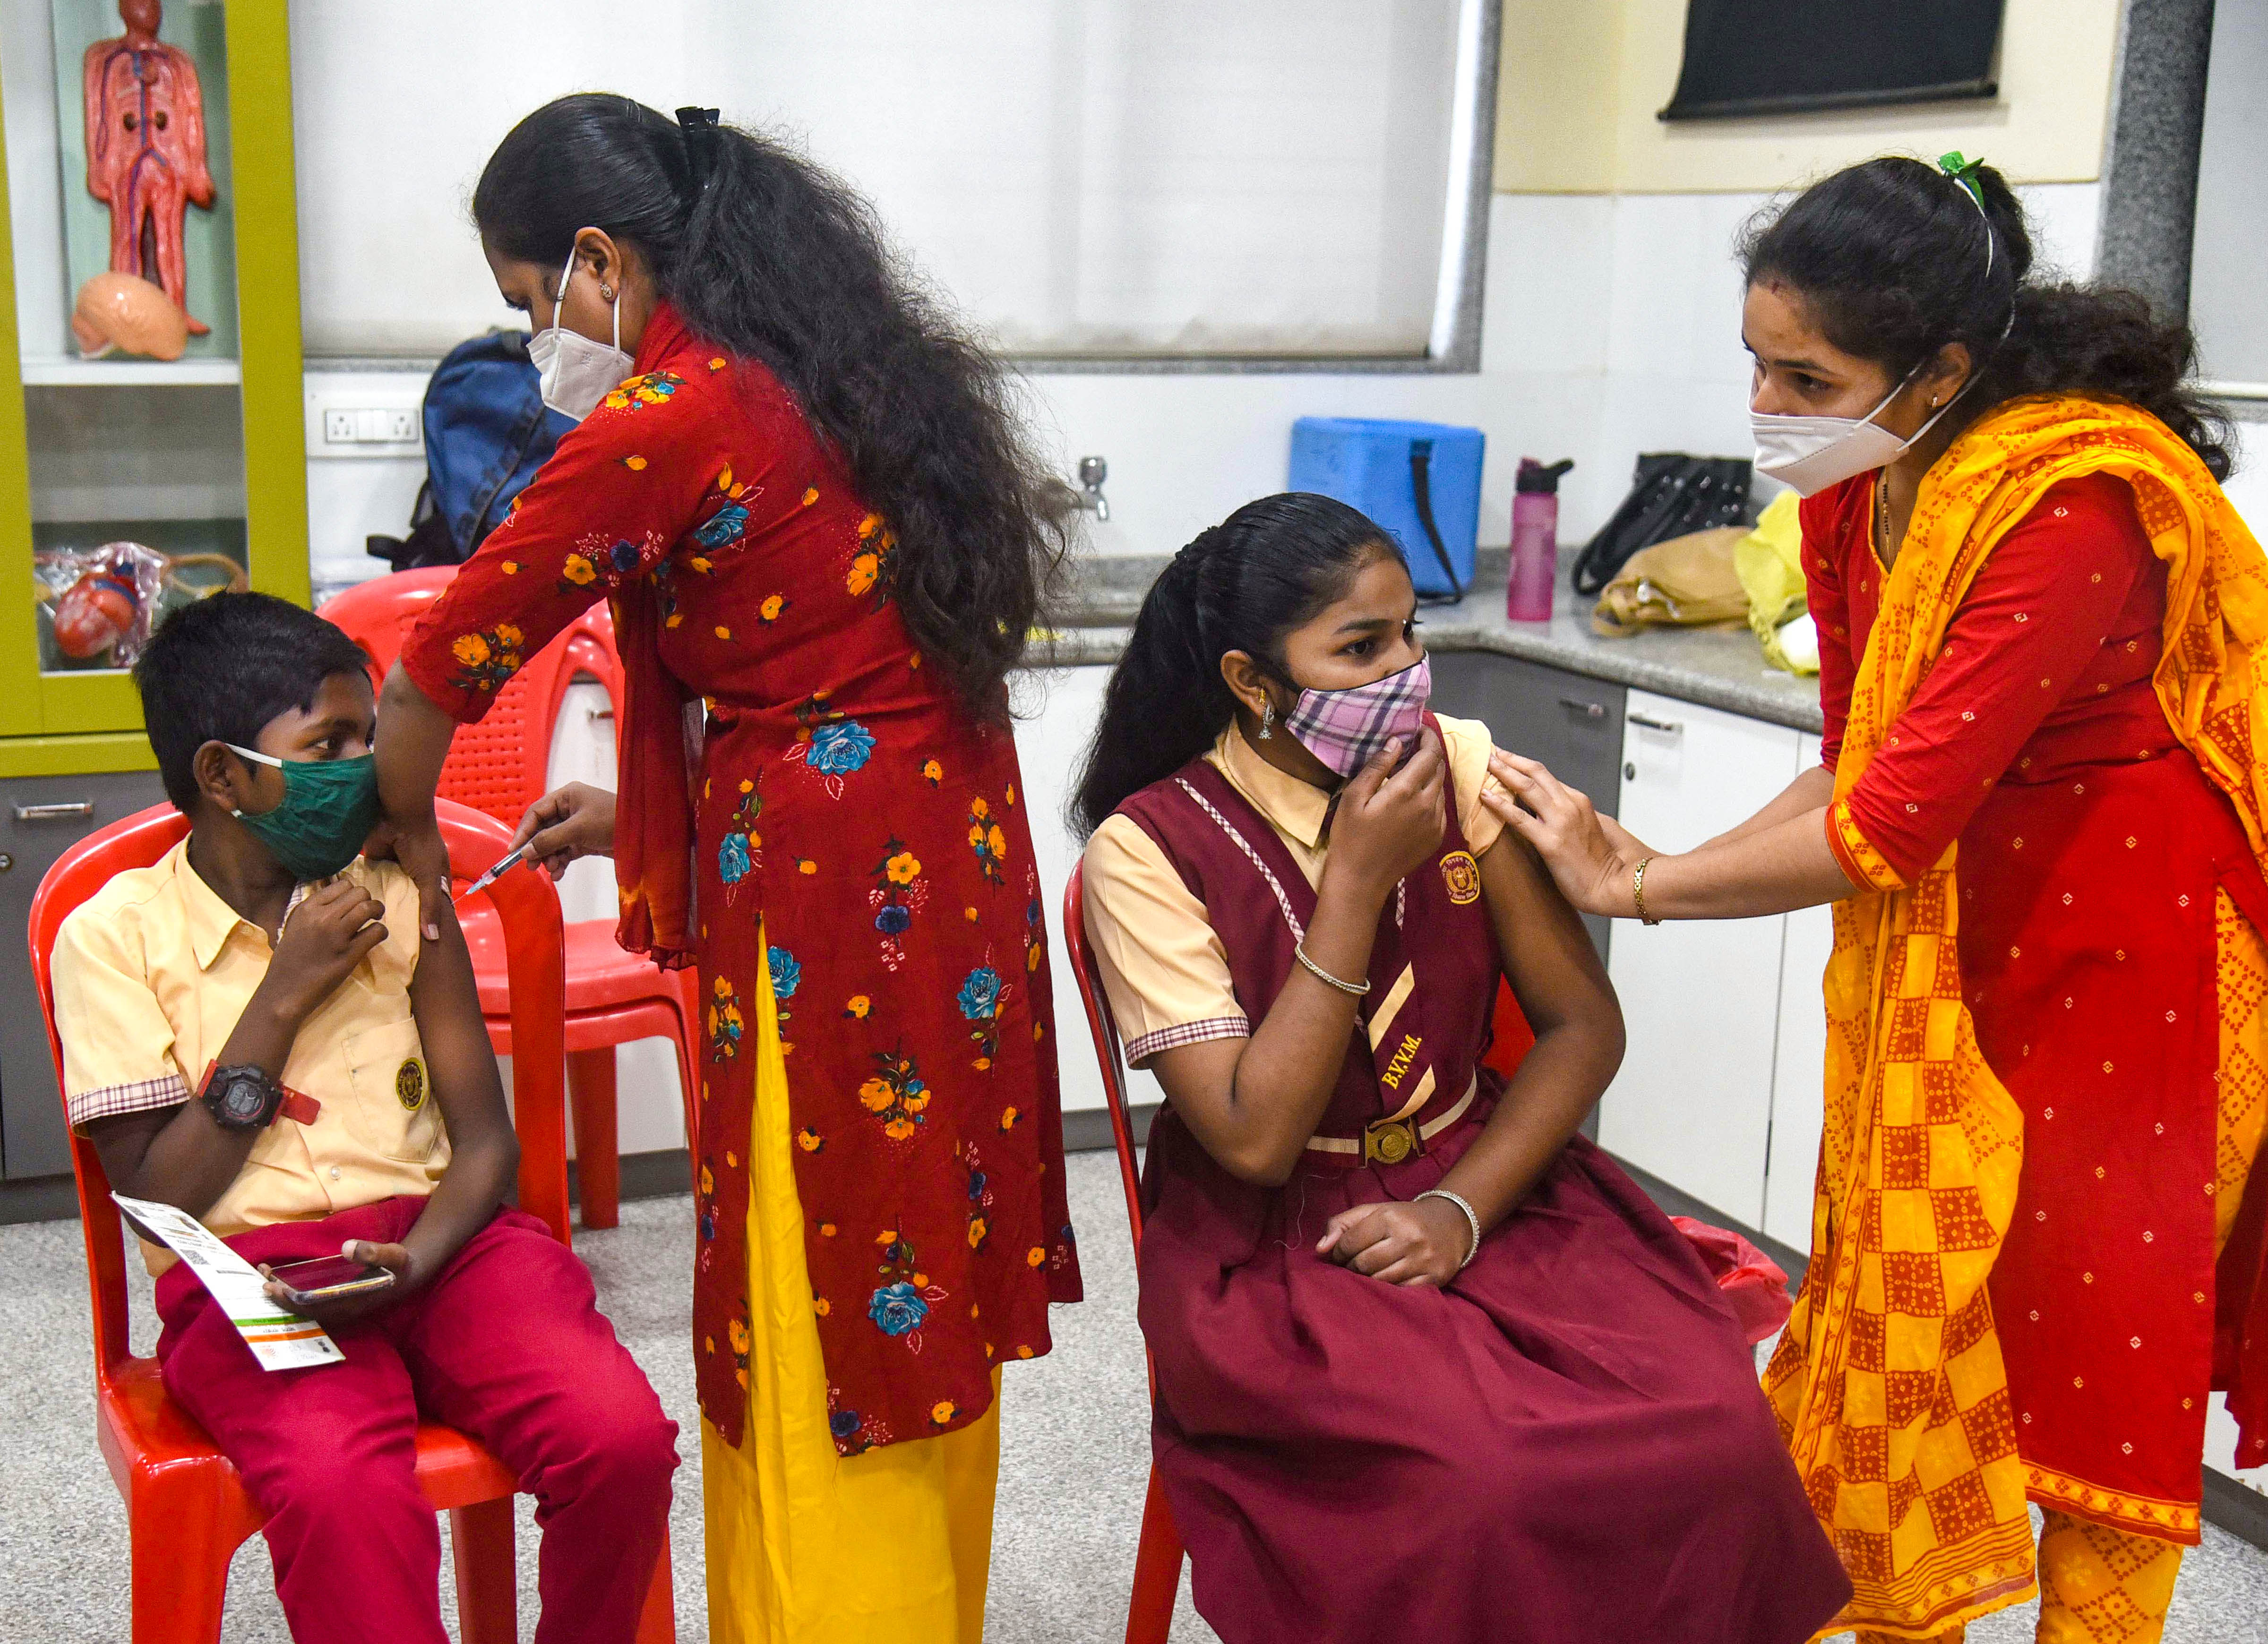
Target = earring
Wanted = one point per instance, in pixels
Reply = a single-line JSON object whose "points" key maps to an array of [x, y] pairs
{"points": [[1267, 718], [607, 294]]}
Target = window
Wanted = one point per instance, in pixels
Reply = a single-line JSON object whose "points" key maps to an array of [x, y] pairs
{"points": [[1105, 181]]}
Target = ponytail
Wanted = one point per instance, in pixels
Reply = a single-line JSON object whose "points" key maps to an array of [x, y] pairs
{"points": [[1243, 584], [1894, 259], [771, 257]]}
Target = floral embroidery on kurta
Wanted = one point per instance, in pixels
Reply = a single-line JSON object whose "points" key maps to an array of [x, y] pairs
{"points": [[841, 797]]}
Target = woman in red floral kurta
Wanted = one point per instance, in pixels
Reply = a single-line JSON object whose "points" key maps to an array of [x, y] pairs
{"points": [[864, 905]]}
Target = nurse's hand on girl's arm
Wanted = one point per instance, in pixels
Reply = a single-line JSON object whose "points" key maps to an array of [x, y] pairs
{"points": [[567, 824], [1421, 1244], [1590, 865]]}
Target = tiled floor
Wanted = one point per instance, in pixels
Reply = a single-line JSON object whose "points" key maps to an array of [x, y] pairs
{"points": [[1075, 1455]]}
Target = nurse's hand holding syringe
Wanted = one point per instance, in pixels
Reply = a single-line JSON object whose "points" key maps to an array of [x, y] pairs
{"points": [[567, 824]]}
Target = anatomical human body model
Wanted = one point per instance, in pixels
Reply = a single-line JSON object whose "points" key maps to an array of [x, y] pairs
{"points": [[125, 311], [145, 148]]}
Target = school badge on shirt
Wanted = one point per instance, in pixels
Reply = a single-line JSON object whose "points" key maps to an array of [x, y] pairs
{"points": [[409, 1084], [1462, 877]]}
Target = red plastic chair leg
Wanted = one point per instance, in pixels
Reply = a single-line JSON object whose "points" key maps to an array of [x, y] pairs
{"points": [[1157, 1571], [180, 1580], [688, 1073], [488, 1577], [657, 1621], [597, 1156]]}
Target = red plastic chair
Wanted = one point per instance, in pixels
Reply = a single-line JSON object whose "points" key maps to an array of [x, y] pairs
{"points": [[186, 1507], [500, 766], [1158, 1556]]}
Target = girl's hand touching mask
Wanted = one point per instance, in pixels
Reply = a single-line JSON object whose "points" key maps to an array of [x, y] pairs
{"points": [[1390, 823]]}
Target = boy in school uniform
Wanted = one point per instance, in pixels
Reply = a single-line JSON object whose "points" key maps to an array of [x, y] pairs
{"points": [[252, 1031]]}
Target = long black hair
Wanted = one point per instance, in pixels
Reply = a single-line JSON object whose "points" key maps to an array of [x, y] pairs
{"points": [[1241, 585], [1889, 257], [774, 258]]}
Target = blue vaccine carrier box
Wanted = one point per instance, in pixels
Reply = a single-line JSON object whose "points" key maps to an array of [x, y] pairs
{"points": [[1366, 462]]}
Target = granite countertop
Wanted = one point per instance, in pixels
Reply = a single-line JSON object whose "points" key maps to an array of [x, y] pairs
{"points": [[1716, 667]]}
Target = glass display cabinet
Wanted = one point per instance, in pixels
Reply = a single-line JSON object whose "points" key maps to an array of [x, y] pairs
{"points": [[199, 459]]}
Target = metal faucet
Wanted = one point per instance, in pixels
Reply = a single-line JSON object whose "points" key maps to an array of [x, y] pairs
{"points": [[1093, 470]]}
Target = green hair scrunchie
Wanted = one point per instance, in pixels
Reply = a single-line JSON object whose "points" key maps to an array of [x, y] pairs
{"points": [[1964, 172]]}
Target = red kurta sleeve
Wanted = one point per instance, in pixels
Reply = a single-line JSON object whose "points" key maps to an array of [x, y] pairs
{"points": [[1830, 615], [624, 485], [2033, 622]]}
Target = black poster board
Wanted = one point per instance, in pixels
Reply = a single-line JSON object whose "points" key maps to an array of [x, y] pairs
{"points": [[1748, 57]]}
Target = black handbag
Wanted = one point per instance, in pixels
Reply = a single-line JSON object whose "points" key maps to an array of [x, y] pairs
{"points": [[1672, 496]]}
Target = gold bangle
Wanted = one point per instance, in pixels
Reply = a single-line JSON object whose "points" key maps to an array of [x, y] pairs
{"points": [[1638, 892], [1354, 990]]}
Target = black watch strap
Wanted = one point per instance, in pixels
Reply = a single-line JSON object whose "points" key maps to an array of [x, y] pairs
{"points": [[242, 1097]]}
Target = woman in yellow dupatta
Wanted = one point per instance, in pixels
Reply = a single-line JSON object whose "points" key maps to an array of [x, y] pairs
{"points": [[2040, 817]]}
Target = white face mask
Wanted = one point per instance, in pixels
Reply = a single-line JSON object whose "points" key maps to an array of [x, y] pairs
{"points": [[574, 373], [1813, 453]]}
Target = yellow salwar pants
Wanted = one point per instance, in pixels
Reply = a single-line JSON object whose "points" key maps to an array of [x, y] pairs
{"points": [[806, 1546], [2097, 1586]]}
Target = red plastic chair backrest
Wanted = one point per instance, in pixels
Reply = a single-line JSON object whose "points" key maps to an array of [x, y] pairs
{"points": [[528, 909], [500, 766], [1108, 1051]]}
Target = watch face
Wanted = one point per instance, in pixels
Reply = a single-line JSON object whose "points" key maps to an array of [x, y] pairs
{"points": [[243, 1100]]}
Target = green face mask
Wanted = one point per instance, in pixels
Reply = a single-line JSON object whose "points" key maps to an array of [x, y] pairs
{"points": [[328, 810]]}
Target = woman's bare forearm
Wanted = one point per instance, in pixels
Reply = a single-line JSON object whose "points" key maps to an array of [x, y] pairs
{"points": [[1557, 1082], [1290, 1067], [1812, 790], [1772, 869], [413, 744], [1563, 991]]}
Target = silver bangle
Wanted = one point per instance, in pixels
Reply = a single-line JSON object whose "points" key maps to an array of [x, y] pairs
{"points": [[1355, 990], [1472, 1219]]}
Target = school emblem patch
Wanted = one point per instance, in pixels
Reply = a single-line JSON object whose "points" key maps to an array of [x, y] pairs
{"points": [[409, 1084], [1462, 875]]}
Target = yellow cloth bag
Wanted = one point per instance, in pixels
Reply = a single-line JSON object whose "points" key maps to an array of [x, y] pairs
{"points": [[1769, 563], [1888, 1382], [1687, 582]]}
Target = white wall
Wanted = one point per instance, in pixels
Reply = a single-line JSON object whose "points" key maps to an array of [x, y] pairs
{"points": [[1610, 326], [2225, 289]]}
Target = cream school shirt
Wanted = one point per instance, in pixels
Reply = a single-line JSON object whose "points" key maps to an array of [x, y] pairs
{"points": [[150, 974], [1163, 967]]}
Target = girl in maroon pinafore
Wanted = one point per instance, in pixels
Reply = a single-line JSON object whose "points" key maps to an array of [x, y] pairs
{"points": [[1429, 1366]]}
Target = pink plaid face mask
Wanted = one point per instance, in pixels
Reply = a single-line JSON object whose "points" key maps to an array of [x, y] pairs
{"points": [[1346, 728]]}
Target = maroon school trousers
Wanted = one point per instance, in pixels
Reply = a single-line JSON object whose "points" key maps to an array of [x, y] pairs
{"points": [[507, 1345]]}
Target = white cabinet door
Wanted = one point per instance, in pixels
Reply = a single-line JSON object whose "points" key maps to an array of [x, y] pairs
{"points": [[1052, 746], [1692, 1104], [1798, 1106]]}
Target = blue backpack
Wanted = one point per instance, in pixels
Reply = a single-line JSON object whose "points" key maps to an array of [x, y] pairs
{"points": [[487, 431]]}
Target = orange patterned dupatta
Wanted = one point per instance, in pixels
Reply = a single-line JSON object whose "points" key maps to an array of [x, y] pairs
{"points": [[1889, 1383]]}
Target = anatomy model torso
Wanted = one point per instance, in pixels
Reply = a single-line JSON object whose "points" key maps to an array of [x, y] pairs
{"points": [[145, 148]]}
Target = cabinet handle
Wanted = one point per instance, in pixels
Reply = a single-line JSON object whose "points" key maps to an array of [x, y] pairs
{"points": [[62, 810], [1589, 710], [1670, 726]]}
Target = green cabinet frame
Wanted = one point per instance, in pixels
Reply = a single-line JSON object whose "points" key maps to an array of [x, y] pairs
{"points": [[73, 723]]}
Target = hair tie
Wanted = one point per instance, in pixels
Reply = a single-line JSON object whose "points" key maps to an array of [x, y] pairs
{"points": [[1963, 173], [697, 128]]}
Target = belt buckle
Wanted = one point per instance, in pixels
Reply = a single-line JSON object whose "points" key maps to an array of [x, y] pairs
{"points": [[1389, 1141]]}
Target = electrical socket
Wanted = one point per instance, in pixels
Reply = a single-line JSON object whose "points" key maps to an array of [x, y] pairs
{"points": [[357, 427]]}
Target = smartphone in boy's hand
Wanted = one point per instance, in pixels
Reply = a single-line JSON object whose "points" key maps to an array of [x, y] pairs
{"points": [[326, 1278]]}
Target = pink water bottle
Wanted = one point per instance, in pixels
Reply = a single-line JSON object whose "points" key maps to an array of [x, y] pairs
{"points": [[1535, 539]]}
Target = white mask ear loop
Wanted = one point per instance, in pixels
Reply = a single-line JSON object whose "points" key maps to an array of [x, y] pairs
{"points": [[559, 303], [559, 299]]}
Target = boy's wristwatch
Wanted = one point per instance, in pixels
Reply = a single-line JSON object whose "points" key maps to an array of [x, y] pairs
{"points": [[245, 1098]]}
